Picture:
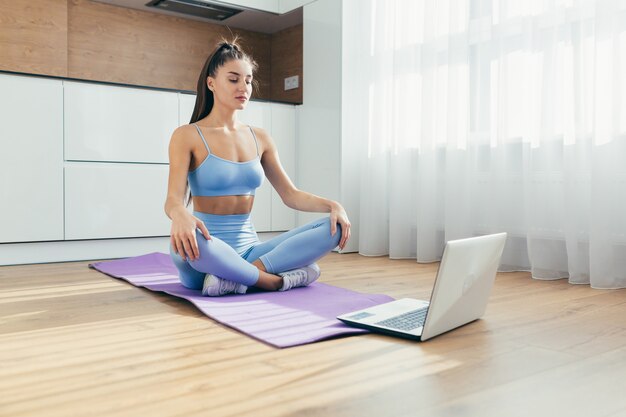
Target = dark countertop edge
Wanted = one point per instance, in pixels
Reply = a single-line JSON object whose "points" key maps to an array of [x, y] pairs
{"points": [[144, 87]]}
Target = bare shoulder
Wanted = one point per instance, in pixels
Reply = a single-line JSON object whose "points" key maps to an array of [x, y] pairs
{"points": [[183, 131], [265, 140], [182, 136], [260, 133]]}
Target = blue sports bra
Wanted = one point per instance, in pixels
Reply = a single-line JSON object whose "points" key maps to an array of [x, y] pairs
{"points": [[216, 176]]}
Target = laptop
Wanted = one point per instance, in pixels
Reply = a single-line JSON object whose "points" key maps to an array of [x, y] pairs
{"points": [[460, 293]]}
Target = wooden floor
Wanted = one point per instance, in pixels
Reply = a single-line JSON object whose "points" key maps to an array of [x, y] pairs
{"points": [[75, 342]]}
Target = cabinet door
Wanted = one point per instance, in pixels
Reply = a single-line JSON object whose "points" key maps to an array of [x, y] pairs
{"points": [[118, 124], [31, 159], [186, 103], [115, 200], [259, 114], [284, 134]]}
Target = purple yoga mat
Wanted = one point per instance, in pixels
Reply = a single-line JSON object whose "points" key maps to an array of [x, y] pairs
{"points": [[296, 317]]}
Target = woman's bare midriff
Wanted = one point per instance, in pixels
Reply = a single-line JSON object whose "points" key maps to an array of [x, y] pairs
{"points": [[228, 204]]}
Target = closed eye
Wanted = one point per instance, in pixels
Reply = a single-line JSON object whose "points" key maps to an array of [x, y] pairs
{"points": [[236, 81]]}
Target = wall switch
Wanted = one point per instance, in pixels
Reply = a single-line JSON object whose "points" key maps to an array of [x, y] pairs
{"points": [[291, 82]]}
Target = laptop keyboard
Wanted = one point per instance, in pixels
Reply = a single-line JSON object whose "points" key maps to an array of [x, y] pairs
{"points": [[407, 321]]}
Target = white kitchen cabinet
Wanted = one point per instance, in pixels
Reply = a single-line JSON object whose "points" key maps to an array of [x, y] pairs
{"points": [[113, 200], [186, 103], [84, 167], [31, 159], [118, 124], [271, 6]]}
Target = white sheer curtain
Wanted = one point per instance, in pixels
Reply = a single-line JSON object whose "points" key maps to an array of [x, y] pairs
{"points": [[484, 116]]}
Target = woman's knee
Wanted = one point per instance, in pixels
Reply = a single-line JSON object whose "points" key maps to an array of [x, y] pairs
{"points": [[322, 222], [334, 239], [189, 277], [337, 236], [205, 247], [205, 252]]}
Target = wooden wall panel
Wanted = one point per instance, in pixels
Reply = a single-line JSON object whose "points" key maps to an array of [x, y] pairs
{"points": [[95, 41], [286, 61], [109, 43], [33, 36]]}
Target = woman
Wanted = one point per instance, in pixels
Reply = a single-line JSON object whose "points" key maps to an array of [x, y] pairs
{"points": [[216, 248]]}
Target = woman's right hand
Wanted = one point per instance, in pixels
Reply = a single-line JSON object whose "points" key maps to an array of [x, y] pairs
{"points": [[183, 234]]}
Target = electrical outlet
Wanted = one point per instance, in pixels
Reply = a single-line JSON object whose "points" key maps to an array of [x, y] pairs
{"points": [[291, 82]]}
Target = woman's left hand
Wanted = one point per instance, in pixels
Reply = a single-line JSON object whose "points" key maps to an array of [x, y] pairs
{"points": [[338, 215]]}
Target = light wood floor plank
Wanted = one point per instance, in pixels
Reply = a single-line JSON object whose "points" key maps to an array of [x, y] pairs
{"points": [[76, 342]]}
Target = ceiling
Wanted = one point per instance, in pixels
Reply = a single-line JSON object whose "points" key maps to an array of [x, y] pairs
{"points": [[252, 20]]}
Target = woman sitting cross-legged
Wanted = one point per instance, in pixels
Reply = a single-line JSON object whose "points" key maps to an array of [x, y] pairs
{"points": [[222, 161]]}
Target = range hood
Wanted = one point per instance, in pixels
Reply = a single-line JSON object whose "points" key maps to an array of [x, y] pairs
{"points": [[211, 11], [215, 12]]}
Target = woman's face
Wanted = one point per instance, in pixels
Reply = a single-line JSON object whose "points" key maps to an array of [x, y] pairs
{"points": [[232, 85]]}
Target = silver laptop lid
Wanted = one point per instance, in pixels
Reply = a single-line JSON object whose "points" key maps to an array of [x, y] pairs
{"points": [[464, 281]]}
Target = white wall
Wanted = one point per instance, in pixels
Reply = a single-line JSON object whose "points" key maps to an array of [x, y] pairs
{"points": [[326, 154], [351, 140], [319, 139]]}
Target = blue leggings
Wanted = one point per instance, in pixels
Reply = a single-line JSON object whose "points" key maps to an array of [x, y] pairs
{"points": [[234, 245]]}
